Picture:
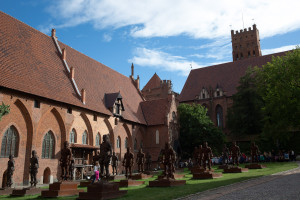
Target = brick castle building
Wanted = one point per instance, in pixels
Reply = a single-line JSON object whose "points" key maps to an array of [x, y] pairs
{"points": [[214, 86], [58, 94]]}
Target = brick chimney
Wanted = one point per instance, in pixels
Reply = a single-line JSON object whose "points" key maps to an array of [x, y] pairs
{"points": [[83, 96], [72, 73], [137, 82], [64, 54], [53, 33]]}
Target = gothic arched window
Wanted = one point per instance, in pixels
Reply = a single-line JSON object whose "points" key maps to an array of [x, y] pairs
{"points": [[73, 136], [126, 142], [118, 142], [84, 137], [98, 138], [219, 114], [10, 141], [48, 145]]}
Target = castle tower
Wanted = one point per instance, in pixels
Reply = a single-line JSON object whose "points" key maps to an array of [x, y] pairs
{"points": [[245, 44]]}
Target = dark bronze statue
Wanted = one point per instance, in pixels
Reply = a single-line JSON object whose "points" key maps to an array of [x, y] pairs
{"points": [[196, 155], [71, 170], [207, 155], [235, 153], [254, 153], [104, 157], [200, 156], [148, 161], [10, 171], [140, 160], [96, 157], [114, 164], [33, 169], [65, 161], [225, 155], [168, 160], [128, 162]]}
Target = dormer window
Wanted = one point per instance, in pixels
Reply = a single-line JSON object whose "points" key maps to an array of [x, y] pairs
{"points": [[203, 94], [218, 92], [114, 103]]}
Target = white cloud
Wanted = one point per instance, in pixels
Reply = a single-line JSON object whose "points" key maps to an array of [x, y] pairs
{"points": [[164, 61], [195, 18], [107, 37], [279, 49]]}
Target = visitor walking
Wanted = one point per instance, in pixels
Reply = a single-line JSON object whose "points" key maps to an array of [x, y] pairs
{"points": [[96, 172]]}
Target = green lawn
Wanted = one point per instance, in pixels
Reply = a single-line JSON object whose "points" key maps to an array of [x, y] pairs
{"points": [[192, 186]]}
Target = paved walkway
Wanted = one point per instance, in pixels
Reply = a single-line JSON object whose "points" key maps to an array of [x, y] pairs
{"points": [[279, 186]]}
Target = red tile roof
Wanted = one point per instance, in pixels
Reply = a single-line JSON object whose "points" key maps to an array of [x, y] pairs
{"points": [[30, 63], [155, 111], [225, 75], [154, 82]]}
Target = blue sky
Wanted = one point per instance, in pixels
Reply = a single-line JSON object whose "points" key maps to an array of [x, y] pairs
{"points": [[163, 36]]}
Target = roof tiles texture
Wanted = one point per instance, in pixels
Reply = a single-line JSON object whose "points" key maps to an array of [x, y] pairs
{"points": [[225, 75], [155, 111], [30, 62], [154, 82]]}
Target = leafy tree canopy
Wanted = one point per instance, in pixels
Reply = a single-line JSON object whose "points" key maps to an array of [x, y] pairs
{"points": [[4, 110], [196, 128]]}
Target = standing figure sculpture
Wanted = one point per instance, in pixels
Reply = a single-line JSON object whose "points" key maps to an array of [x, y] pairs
{"points": [[140, 160], [235, 154], [200, 156], [71, 169], [207, 156], [33, 169], [254, 153], [114, 163], [96, 157], [225, 155], [168, 160], [148, 161], [195, 155], [10, 171], [65, 161], [104, 157], [128, 163]]}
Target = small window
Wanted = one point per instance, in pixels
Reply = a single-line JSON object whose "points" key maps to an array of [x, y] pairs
{"points": [[118, 142], [126, 143], [95, 117], [98, 142], [37, 103], [203, 96], [69, 110], [157, 137], [73, 137], [249, 54], [133, 126], [84, 137], [253, 52], [218, 93], [48, 146], [237, 56]]}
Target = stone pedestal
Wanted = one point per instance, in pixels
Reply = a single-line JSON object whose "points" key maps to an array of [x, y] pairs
{"points": [[176, 176], [102, 190], [223, 167], [235, 170], [60, 189], [130, 182], [207, 175], [26, 191], [6, 191], [140, 176], [199, 170], [166, 183], [255, 166], [85, 183]]}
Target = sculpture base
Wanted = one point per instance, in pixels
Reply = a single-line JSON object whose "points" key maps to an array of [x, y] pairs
{"points": [[166, 183], [235, 170], [60, 189], [26, 191], [200, 170], [176, 176], [140, 176], [223, 167], [102, 190], [255, 166], [85, 183], [6, 191], [207, 175], [130, 182]]}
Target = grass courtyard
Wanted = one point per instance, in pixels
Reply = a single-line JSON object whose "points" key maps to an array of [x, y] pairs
{"points": [[192, 186]]}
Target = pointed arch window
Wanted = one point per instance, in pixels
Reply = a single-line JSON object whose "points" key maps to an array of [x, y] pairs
{"points": [[126, 142], [219, 113], [118, 142], [84, 137], [10, 143], [48, 145], [98, 138], [73, 136]]}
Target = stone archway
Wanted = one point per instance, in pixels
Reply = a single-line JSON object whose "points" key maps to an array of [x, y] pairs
{"points": [[46, 176]]}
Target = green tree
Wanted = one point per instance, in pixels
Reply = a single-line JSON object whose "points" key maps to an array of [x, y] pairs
{"points": [[245, 115], [278, 84], [4, 110], [196, 128]]}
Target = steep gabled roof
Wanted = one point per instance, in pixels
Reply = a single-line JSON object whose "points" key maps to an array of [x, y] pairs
{"points": [[154, 82], [225, 75], [155, 111], [30, 63]]}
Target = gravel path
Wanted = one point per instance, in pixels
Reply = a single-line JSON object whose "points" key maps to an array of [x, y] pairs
{"points": [[279, 186]]}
